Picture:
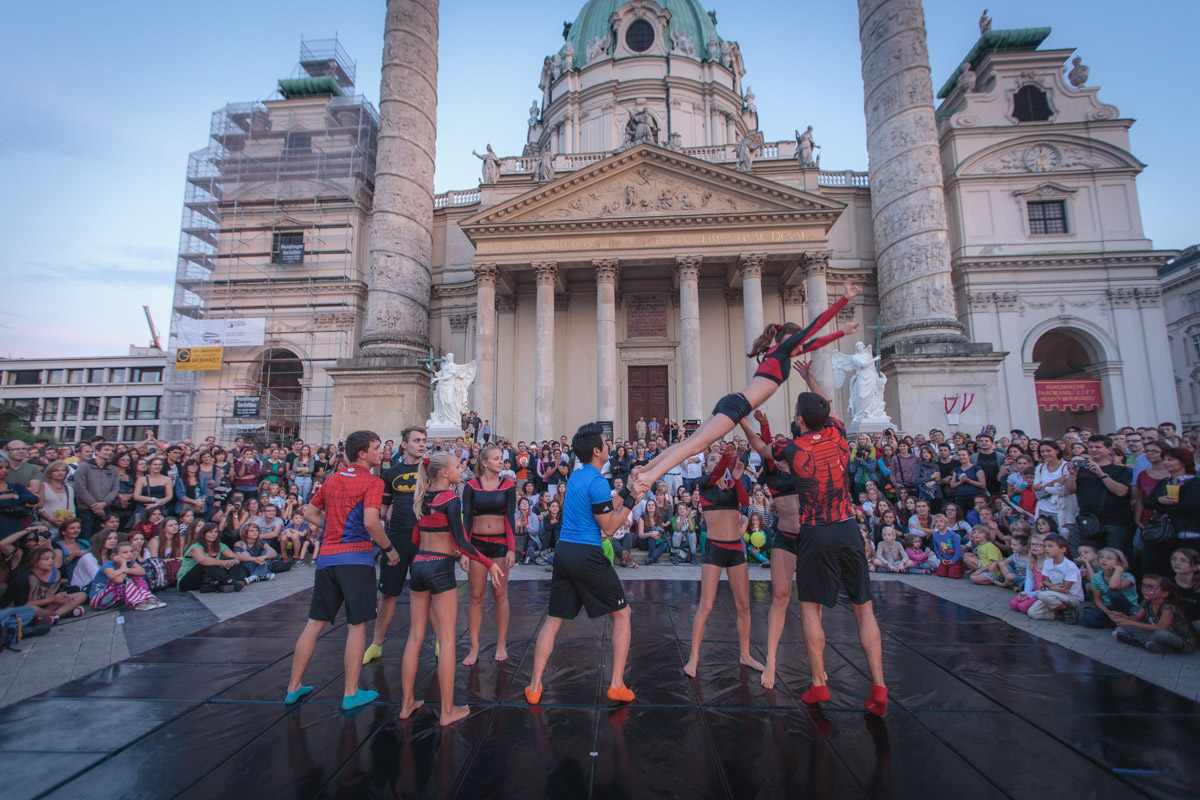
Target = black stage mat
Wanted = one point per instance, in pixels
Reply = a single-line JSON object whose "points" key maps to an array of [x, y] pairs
{"points": [[979, 710]]}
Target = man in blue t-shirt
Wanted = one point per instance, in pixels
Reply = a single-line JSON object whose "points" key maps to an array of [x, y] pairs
{"points": [[583, 576]]}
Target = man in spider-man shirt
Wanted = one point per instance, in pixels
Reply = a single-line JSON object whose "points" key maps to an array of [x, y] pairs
{"points": [[829, 550]]}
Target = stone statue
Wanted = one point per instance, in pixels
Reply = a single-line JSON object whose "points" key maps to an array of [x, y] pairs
{"points": [[534, 113], [491, 165], [568, 57], [598, 47], [966, 78], [714, 47], [556, 66], [805, 147], [1079, 73], [985, 23], [450, 385], [727, 54], [543, 170], [682, 44], [641, 128], [750, 99], [866, 383], [743, 154], [675, 142]]}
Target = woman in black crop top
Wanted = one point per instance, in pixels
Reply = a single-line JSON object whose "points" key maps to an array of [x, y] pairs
{"points": [[489, 516]]}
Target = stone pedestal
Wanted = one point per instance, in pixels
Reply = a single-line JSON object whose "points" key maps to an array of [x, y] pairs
{"points": [[447, 433], [385, 395], [920, 379], [869, 426]]}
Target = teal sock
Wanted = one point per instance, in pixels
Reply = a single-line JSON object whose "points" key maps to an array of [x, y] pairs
{"points": [[359, 698], [293, 697]]}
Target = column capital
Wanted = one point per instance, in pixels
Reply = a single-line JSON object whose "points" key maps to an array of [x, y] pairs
{"points": [[750, 265], [688, 267], [795, 295], [486, 274], [546, 272], [733, 296], [607, 269], [506, 303], [815, 263]]}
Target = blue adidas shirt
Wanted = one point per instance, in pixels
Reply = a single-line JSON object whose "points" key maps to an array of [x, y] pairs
{"points": [[586, 491]]}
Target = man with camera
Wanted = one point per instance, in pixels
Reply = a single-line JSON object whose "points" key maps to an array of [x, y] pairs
{"points": [[1102, 489]]}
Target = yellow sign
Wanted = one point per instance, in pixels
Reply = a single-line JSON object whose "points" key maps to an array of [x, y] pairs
{"points": [[198, 358]]}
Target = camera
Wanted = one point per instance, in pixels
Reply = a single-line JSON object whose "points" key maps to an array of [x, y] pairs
{"points": [[1081, 463]]}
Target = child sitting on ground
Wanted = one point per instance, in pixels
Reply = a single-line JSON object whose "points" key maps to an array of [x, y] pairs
{"points": [[890, 555], [311, 538], [1033, 575], [1185, 563], [947, 546], [1088, 561], [122, 581], [922, 558], [757, 552], [1014, 568], [985, 558], [868, 546], [1113, 590], [1160, 625], [1062, 584]]}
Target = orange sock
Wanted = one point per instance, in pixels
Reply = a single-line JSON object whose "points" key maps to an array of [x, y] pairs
{"points": [[877, 702], [532, 697], [816, 694], [622, 694]]}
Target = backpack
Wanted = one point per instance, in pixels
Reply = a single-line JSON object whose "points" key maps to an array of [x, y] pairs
{"points": [[11, 632]]}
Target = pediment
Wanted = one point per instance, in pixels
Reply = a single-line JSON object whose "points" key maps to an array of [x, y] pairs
{"points": [[1073, 153], [648, 184]]}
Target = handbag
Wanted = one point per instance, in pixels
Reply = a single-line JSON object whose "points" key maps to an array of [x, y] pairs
{"points": [[172, 566], [1159, 529], [1088, 524], [280, 565]]}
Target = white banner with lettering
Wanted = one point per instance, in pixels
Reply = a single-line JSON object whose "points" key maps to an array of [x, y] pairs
{"points": [[235, 332]]}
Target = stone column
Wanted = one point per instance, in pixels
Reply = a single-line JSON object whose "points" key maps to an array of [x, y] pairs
{"points": [[912, 248], [543, 357], [607, 271], [816, 267], [485, 340], [688, 268], [750, 268]]}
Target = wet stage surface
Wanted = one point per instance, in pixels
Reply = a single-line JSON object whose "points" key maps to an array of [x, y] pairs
{"points": [[978, 710]]}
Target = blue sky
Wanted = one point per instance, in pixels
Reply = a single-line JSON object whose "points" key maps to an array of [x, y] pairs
{"points": [[105, 99]]}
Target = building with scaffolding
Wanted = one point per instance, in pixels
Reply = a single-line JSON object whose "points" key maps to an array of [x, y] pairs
{"points": [[275, 225]]}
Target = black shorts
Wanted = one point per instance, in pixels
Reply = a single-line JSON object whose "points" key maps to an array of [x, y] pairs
{"points": [[734, 406], [723, 557], [828, 556], [582, 577], [353, 584], [391, 579], [434, 575], [785, 542], [496, 551]]}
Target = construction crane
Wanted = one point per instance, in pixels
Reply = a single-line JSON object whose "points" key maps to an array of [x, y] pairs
{"points": [[154, 341]]}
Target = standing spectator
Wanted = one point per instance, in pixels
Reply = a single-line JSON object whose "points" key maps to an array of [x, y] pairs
{"points": [[123, 506], [992, 463], [154, 489], [1102, 489], [968, 480], [58, 496], [1146, 481], [191, 489], [16, 502], [246, 473], [641, 429], [485, 431], [1178, 497], [20, 470], [693, 468]]}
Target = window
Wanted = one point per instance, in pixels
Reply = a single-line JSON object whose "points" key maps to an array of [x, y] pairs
{"points": [[25, 406], [1030, 105], [54, 376], [87, 432], [111, 433], [50, 408], [69, 434], [288, 247], [74, 376], [95, 376], [91, 408], [24, 377], [112, 408], [145, 375], [142, 407], [298, 142], [640, 36], [136, 433], [1196, 345], [1048, 217], [70, 408], [116, 375]]}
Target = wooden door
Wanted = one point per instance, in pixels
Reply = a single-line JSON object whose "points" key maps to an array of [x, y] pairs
{"points": [[648, 395]]}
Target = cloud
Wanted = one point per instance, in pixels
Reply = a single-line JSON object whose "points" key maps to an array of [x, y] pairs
{"points": [[103, 273]]}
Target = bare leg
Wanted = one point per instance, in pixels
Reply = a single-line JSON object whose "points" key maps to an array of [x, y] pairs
{"points": [[500, 598], [739, 583], [814, 641], [477, 579], [869, 637], [305, 646], [710, 579], [383, 619], [445, 613], [418, 610], [620, 644], [545, 646], [74, 601], [783, 566], [356, 643]]}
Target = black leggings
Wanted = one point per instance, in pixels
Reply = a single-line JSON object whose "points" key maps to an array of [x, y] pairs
{"points": [[194, 579]]}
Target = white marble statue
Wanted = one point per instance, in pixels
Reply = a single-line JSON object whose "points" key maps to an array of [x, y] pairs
{"points": [[1079, 73], [543, 169], [568, 57], [491, 165], [750, 106], [805, 147], [450, 392], [534, 113], [743, 154], [966, 78], [985, 23], [866, 383]]}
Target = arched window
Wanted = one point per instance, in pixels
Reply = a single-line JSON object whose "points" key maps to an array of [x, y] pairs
{"points": [[1030, 105]]}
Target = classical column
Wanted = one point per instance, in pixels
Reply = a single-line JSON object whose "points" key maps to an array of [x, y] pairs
{"points": [[401, 240], [543, 354], [912, 249], [688, 268], [485, 339], [750, 268], [606, 338], [815, 266]]}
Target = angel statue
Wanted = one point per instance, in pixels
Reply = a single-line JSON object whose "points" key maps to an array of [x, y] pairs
{"points": [[866, 383], [450, 385]]}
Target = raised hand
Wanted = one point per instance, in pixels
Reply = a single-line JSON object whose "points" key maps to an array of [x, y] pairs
{"points": [[851, 289], [853, 327], [803, 369], [759, 416]]}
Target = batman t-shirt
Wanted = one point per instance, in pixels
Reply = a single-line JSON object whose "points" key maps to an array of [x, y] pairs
{"points": [[399, 485]]}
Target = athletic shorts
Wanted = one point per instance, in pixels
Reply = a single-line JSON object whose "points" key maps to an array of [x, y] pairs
{"points": [[496, 551], [391, 579], [582, 577], [785, 542], [829, 556], [433, 573], [724, 557], [352, 584]]}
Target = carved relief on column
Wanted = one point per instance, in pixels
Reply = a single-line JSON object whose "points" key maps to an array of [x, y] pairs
{"points": [[794, 295], [751, 266]]}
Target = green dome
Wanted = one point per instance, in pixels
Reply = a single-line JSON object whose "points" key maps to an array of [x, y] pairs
{"points": [[686, 15]]}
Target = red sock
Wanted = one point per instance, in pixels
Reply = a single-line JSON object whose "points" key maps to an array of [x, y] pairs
{"points": [[816, 694], [877, 702]]}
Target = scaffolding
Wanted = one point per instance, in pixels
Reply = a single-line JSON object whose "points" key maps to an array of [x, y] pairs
{"points": [[296, 168]]}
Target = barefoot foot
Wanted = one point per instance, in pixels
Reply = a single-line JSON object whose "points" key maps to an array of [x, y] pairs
{"points": [[751, 662], [689, 668], [501, 654], [455, 714], [768, 677], [471, 658], [407, 709]]}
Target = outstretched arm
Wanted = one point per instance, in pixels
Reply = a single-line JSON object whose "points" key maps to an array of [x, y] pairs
{"points": [[804, 370], [757, 444]]}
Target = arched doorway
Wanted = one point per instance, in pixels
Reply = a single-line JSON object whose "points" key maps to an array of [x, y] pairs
{"points": [[1066, 354], [281, 393]]}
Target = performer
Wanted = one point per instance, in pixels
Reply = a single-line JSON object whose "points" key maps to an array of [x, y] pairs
{"points": [[399, 483], [829, 547], [432, 589], [721, 498], [490, 519], [778, 479], [582, 575], [347, 506], [790, 340]]}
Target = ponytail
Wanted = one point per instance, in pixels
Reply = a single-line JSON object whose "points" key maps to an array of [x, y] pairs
{"points": [[773, 334], [426, 473]]}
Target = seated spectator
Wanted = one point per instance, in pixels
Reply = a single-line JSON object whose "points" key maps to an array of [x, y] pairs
{"points": [[44, 587], [923, 560], [956, 523], [984, 558], [271, 526], [754, 525], [889, 554], [1185, 563], [1062, 584], [947, 546], [868, 545], [255, 554], [122, 581], [167, 541], [1034, 579], [70, 547], [210, 566], [528, 533], [151, 524], [1014, 568], [683, 528], [551, 524], [1159, 625], [155, 568], [886, 519], [981, 502], [1088, 561], [1113, 588], [651, 529]]}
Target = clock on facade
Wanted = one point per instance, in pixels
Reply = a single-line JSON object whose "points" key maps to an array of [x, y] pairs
{"points": [[1042, 158]]}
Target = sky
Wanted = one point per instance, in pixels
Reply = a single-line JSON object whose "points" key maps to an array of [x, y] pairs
{"points": [[105, 99]]}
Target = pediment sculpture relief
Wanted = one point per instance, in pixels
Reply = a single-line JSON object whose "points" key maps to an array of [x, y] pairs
{"points": [[646, 192]]}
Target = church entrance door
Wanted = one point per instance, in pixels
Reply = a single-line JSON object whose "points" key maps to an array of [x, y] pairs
{"points": [[647, 395]]}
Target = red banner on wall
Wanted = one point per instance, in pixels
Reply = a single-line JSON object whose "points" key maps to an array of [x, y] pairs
{"points": [[1081, 395]]}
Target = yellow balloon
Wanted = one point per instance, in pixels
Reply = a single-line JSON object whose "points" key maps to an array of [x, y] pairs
{"points": [[758, 538]]}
